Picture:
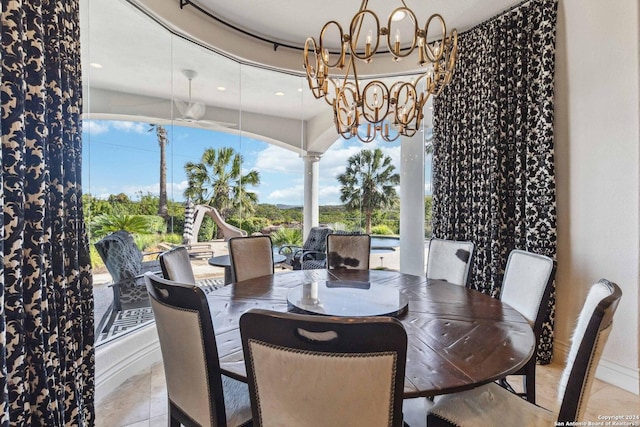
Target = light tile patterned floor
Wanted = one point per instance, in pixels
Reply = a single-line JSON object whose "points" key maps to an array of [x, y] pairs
{"points": [[142, 400]]}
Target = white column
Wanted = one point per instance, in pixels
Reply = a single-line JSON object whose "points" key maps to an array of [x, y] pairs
{"points": [[412, 205], [311, 208]]}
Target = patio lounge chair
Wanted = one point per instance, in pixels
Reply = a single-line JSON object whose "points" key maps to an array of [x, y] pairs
{"points": [[312, 254], [124, 261]]}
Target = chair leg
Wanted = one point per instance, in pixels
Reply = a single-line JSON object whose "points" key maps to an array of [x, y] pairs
{"points": [[529, 379]]}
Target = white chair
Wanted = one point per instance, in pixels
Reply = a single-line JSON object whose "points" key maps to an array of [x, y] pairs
{"points": [[317, 371], [492, 405], [250, 257], [348, 251], [176, 265], [449, 260], [198, 394], [526, 287]]}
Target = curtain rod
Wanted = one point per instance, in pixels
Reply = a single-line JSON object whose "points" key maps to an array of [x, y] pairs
{"points": [[275, 44], [510, 9]]}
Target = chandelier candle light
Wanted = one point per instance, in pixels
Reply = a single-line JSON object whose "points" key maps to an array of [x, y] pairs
{"points": [[368, 110]]}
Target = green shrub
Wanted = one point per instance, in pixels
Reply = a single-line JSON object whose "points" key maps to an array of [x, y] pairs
{"points": [[207, 230], [173, 238], [108, 223], [176, 225], [155, 224], [287, 236], [147, 242], [250, 225], [96, 260], [382, 230]]}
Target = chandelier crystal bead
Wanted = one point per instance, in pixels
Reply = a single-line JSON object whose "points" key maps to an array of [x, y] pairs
{"points": [[373, 109]]}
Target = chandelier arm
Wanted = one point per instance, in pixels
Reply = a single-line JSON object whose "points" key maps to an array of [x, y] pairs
{"points": [[354, 35], [355, 77], [396, 49]]}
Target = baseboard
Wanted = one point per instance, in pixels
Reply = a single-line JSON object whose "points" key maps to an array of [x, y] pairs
{"points": [[124, 357], [621, 376], [608, 371]]}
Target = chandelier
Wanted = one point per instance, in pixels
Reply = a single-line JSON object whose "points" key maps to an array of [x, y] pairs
{"points": [[368, 109]]}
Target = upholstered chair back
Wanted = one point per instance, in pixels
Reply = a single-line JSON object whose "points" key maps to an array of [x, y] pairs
{"points": [[349, 251], [250, 257], [526, 286], [197, 393], [324, 371], [527, 283], [449, 260], [176, 265], [589, 338]]}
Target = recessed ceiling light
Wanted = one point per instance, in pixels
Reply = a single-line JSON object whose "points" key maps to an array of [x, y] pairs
{"points": [[279, 93], [299, 89], [221, 88], [399, 15], [95, 65]]}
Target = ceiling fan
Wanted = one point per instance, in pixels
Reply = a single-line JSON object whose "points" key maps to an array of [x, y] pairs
{"points": [[193, 111]]}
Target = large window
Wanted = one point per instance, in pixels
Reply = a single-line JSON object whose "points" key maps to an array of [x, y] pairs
{"points": [[156, 103]]}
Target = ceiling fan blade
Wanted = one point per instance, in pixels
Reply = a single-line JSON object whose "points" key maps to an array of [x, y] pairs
{"points": [[218, 124], [181, 106], [192, 110], [195, 110]]}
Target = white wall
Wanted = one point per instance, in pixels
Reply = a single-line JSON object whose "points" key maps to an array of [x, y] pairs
{"points": [[597, 160]]}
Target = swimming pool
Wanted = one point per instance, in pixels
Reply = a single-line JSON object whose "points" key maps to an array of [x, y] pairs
{"points": [[384, 244]]}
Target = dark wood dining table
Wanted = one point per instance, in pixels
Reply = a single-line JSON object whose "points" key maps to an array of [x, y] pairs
{"points": [[457, 338]]}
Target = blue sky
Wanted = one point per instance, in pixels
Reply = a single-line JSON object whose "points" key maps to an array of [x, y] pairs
{"points": [[123, 157]]}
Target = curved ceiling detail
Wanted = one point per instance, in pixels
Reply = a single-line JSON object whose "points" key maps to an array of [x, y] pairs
{"points": [[142, 60], [290, 22]]}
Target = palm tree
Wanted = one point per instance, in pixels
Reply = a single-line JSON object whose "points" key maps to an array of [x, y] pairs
{"points": [[161, 134], [217, 181], [368, 183]]}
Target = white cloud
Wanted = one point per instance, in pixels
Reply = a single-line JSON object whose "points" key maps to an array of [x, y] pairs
{"points": [[288, 194], [329, 195], [136, 127], [334, 161], [95, 127], [276, 159]]}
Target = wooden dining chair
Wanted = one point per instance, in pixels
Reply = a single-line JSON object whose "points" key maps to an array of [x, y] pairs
{"points": [[449, 260], [528, 278], [492, 405], [250, 257], [197, 392], [324, 371], [348, 251]]}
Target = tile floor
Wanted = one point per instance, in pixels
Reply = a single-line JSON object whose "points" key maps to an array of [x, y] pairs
{"points": [[142, 400]]}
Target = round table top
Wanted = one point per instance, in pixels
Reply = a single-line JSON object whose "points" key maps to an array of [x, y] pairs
{"points": [[457, 338], [347, 298]]}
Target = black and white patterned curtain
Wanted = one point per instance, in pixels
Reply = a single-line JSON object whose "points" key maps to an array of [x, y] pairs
{"points": [[493, 161], [46, 303]]}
